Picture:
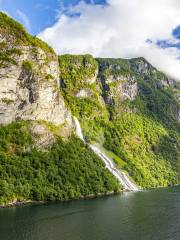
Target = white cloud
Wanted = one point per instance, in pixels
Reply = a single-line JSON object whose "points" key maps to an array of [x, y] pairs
{"points": [[24, 18], [120, 30]]}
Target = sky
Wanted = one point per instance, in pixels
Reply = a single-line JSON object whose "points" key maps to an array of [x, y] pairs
{"points": [[36, 15], [106, 28]]}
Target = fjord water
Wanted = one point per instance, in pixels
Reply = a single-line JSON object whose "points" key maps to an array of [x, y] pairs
{"points": [[148, 215]]}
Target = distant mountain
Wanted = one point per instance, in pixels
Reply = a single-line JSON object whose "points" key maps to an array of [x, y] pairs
{"points": [[126, 107]]}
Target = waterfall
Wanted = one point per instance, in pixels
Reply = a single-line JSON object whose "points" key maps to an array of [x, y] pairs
{"points": [[121, 176], [78, 129]]}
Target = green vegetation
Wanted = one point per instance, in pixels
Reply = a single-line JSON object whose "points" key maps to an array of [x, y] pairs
{"points": [[115, 67], [27, 65], [49, 77], [150, 151], [142, 136], [157, 102], [145, 133], [118, 161], [7, 55], [18, 34], [76, 70], [69, 170], [7, 101]]}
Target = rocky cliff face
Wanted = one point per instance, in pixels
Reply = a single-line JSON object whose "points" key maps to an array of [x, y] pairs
{"points": [[29, 79], [128, 80], [117, 86]]}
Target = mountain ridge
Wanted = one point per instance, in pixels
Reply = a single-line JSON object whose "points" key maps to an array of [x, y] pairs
{"points": [[125, 105]]}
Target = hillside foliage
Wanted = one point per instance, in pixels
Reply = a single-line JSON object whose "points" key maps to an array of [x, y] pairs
{"points": [[69, 170], [143, 133]]}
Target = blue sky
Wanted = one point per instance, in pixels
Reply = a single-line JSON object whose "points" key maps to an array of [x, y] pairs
{"points": [[36, 15], [121, 28]]}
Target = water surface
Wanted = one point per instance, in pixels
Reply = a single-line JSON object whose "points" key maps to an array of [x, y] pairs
{"points": [[149, 215]]}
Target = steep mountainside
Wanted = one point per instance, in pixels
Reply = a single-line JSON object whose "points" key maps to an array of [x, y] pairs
{"points": [[127, 108]]}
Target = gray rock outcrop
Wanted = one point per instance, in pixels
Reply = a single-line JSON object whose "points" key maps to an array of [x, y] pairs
{"points": [[29, 87]]}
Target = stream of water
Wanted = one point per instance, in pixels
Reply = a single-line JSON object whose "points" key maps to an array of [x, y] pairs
{"points": [[110, 165]]}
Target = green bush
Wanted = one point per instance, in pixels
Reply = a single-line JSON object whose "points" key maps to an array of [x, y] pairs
{"points": [[7, 101], [27, 65]]}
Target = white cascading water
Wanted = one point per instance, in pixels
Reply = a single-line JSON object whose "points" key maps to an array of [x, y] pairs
{"points": [[121, 176], [78, 129]]}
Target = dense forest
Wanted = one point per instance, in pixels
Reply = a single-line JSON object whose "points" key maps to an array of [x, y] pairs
{"points": [[69, 170]]}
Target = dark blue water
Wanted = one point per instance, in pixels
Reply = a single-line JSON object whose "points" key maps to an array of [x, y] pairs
{"points": [[150, 215]]}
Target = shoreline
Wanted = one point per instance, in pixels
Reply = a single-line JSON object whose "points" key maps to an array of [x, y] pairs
{"points": [[35, 202], [91, 196]]}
